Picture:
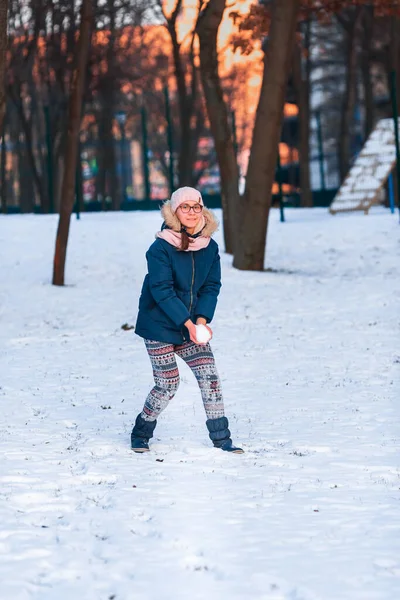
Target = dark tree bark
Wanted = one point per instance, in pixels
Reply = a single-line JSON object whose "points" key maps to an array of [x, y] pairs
{"points": [[56, 76], [22, 167], [23, 91], [350, 26], [207, 29], [25, 179], [3, 177], [367, 32], [71, 153], [188, 92], [301, 79], [250, 250], [107, 179], [3, 58], [394, 55], [27, 128], [185, 108]]}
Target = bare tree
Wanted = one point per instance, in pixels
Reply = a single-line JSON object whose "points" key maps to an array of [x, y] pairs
{"points": [[3, 58], [250, 249], [191, 116], [301, 80], [107, 180], [365, 65], [22, 89], [55, 68], [349, 21], [207, 29], [71, 152]]}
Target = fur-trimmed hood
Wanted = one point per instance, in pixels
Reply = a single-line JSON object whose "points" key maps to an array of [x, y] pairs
{"points": [[172, 221]]}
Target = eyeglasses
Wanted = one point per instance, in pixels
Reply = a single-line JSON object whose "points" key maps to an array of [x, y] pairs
{"points": [[186, 208]]}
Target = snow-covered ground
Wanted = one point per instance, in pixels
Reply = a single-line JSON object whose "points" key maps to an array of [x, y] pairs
{"points": [[309, 356]]}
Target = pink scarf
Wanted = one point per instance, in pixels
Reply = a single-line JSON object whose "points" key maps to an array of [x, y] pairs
{"points": [[175, 239]]}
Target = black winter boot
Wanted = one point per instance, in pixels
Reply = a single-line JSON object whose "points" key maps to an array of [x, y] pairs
{"points": [[141, 433], [221, 436]]}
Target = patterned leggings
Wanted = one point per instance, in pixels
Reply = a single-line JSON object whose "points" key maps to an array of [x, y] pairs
{"points": [[166, 377]]}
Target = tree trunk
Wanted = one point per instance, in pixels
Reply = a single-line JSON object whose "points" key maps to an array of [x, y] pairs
{"points": [[100, 183], [111, 159], [27, 197], [185, 113], [301, 78], [366, 70], [3, 175], [394, 55], [187, 89], [79, 180], [38, 136], [250, 250], [29, 151], [21, 167], [59, 181], [107, 181], [207, 30], [71, 152], [3, 58], [349, 99]]}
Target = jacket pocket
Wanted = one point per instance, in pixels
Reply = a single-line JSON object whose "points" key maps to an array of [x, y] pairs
{"points": [[157, 315]]}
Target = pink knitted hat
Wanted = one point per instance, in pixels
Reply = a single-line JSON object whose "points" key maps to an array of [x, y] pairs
{"points": [[185, 194]]}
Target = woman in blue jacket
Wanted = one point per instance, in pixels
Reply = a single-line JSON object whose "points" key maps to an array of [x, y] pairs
{"points": [[180, 292]]}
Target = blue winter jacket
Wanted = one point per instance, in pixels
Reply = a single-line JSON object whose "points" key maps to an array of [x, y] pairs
{"points": [[179, 285]]}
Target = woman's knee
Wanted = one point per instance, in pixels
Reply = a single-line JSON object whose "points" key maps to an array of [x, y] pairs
{"points": [[168, 386]]}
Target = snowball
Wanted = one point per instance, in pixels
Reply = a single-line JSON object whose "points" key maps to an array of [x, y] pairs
{"points": [[202, 334]]}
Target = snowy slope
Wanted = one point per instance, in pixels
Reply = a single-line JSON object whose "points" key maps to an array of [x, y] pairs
{"points": [[309, 356]]}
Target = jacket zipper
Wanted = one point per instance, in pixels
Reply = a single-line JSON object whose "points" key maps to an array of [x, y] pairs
{"points": [[191, 286]]}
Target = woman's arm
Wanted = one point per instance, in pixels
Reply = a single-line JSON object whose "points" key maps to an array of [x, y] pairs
{"points": [[208, 293], [162, 286]]}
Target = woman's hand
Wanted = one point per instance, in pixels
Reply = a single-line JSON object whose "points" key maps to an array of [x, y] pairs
{"points": [[191, 327], [202, 321]]}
